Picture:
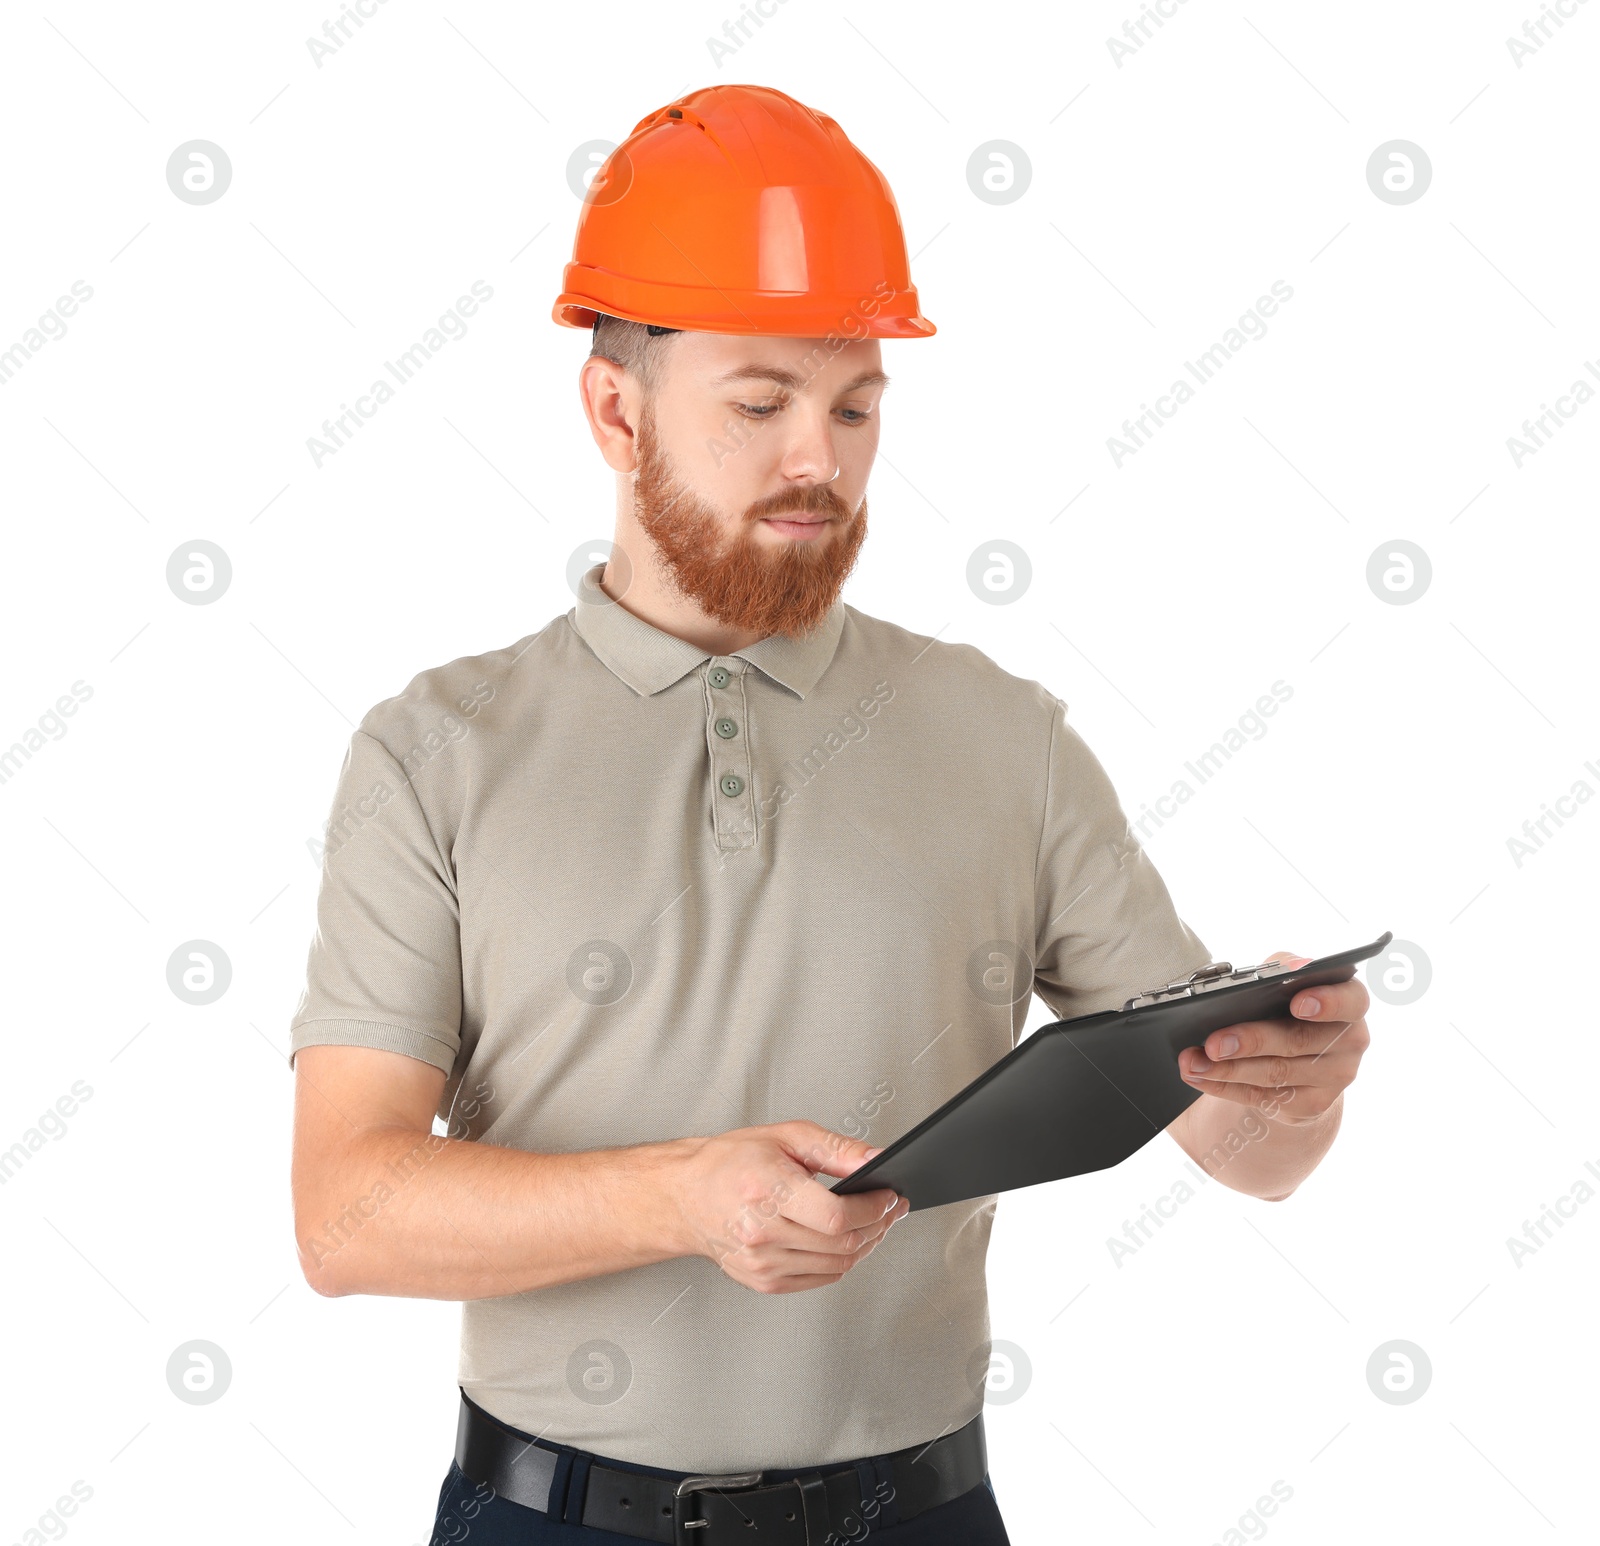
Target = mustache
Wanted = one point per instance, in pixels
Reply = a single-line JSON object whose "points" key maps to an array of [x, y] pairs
{"points": [[819, 500]]}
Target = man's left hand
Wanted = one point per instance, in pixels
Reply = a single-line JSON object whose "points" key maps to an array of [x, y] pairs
{"points": [[1291, 1070]]}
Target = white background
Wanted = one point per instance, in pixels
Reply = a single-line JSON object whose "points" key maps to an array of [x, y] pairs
{"points": [[1167, 595]]}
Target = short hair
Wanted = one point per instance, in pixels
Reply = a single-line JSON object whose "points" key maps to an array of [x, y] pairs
{"points": [[635, 346]]}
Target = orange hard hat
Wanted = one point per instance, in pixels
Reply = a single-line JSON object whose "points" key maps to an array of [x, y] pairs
{"points": [[736, 209]]}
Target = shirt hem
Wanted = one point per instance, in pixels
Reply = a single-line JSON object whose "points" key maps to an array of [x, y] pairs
{"points": [[380, 1035]]}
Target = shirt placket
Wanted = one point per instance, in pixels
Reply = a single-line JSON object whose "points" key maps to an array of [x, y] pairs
{"points": [[733, 810]]}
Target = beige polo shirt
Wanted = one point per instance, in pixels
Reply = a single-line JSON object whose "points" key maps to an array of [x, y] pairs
{"points": [[620, 890]]}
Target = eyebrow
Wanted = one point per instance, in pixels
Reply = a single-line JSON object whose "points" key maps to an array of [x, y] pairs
{"points": [[793, 379]]}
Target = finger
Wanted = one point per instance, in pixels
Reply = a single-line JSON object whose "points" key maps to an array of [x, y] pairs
{"points": [[1289, 958], [1332, 1001], [833, 1213], [1286, 1041], [821, 1149], [1335, 1001], [1336, 1070], [787, 1233], [772, 1266], [1271, 1038], [1291, 1105], [1241, 1094], [788, 1190], [782, 1236]]}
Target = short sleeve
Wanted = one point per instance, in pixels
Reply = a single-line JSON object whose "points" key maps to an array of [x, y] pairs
{"points": [[1106, 928], [384, 969]]}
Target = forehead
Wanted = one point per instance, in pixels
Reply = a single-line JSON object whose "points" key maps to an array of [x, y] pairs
{"points": [[718, 360]]}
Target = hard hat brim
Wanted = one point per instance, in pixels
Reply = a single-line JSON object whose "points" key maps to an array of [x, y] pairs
{"points": [[765, 315]]}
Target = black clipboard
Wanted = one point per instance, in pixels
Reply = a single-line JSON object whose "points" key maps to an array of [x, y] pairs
{"points": [[1087, 1093]]}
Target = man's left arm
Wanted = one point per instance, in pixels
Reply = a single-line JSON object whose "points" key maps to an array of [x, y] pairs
{"points": [[1272, 1091]]}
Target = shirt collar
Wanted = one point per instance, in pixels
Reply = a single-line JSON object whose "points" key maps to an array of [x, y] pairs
{"points": [[648, 659]]}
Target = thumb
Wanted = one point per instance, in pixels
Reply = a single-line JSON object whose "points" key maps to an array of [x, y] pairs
{"points": [[826, 1152]]}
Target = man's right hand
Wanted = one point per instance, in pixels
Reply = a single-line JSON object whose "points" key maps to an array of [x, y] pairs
{"points": [[384, 1206], [749, 1201]]}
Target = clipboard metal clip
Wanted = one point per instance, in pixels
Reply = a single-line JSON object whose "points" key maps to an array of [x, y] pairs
{"points": [[1219, 974]]}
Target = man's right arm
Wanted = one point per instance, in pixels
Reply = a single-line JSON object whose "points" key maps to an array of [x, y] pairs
{"points": [[382, 1205]]}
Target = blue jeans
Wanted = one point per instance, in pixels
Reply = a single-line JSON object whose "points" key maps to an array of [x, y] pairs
{"points": [[471, 1514]]}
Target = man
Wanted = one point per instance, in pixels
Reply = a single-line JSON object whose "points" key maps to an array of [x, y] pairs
{"points": [[699, 896]]}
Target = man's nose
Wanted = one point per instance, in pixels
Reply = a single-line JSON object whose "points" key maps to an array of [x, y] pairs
{"points": [[809, 455]]}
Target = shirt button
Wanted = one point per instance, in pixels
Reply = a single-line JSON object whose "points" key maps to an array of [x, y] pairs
{"points": [[731, 784], [727, 729], [718, 677]]}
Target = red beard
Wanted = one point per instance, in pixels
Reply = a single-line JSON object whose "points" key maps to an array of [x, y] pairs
{"points": [[739, 580]]}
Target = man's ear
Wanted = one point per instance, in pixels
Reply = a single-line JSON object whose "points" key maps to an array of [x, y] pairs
{"points": [[611, 401]]}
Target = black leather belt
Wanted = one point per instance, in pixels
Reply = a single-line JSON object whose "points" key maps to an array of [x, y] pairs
{"points": [[820, 1508]]}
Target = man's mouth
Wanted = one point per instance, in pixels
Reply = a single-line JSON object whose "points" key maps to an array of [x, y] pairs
{"points": [[798, 525]]}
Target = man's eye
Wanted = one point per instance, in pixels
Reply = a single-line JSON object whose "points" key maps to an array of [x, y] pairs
{"points": [[757, 410], [861, 416]]}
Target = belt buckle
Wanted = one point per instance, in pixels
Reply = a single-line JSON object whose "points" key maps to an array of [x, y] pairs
{"points": [[737, 1481]]}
